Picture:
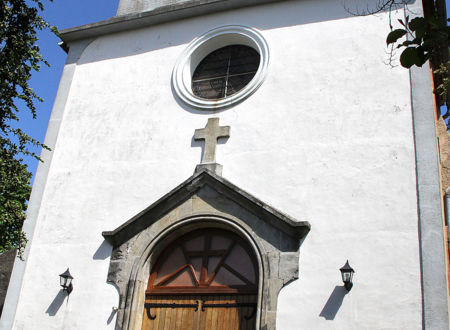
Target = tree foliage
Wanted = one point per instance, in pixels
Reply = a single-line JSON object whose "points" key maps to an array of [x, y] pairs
{"points": [[14, 192], [20, 56]]}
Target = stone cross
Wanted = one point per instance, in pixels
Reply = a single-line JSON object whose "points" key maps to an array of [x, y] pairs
{"points": [[210, 134]]}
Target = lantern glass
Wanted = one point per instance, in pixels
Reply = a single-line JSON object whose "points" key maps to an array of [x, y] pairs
{"points": [[347, 276], [65, 279]]}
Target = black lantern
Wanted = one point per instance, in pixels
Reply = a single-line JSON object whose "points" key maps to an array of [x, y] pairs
{"points": [[65, 280], [347, 276]]}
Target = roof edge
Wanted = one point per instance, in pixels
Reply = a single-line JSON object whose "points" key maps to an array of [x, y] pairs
{"points": [[156, 16]]}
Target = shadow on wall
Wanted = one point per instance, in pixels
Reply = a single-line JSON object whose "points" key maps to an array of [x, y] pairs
{"points": [[111, 316], [103, 251], [56, 303], [273, 16], [333, 304]]}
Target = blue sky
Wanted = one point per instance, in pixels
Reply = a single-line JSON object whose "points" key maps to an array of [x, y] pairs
{"points": [[63, 14]]}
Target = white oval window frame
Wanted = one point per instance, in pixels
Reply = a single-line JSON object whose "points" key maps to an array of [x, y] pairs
{"points": [[212, 40]]}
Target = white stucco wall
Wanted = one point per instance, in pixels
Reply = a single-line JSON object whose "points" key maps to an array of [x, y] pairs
{"points": [[327, 138]]}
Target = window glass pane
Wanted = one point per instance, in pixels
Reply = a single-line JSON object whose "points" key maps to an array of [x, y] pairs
{"points": [[174, 261], [236, 83], [220, 243], [210, 89], [182, 279], [212, 264], [195, 244], [224, 277], [239, 260], [197, 264], [225, 71]]}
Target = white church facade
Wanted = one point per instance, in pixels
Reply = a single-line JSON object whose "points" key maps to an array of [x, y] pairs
{"points": [[215, 163]]}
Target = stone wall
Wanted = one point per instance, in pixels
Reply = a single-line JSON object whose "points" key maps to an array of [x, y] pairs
{"points": [[444, 162], [6, 265], [444, 153]]}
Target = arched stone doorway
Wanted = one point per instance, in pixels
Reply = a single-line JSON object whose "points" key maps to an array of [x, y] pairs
{"points": [[206, 279], [209, 202]]}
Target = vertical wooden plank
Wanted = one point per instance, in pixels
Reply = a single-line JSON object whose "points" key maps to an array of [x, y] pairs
{"points": [[232, 315], [248, 312], [186, 315], [190, 315], [222, 324], [150, 323], [215, 313], [145, 325], [202, 315], [161, 317], [221, 313], [173, 318], [209, 313], [227, 314], [169, 321], [196, 318], [244, 312], [206, 316], [179, 313]]}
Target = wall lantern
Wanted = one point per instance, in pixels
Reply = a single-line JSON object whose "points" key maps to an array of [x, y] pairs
{"points": [[65, 279], [347, 276]]}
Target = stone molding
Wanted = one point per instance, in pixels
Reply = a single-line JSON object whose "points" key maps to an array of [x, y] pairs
{"points": [[205, 44], [435, 312], [204, 201]]}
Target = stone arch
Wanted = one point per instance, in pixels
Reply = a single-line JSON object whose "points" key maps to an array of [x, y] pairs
{"points": [[204, 201], [131, 306]]}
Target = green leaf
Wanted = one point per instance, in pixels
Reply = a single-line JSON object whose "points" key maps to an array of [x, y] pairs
{"points": [[393, 36], [412, 56], [417, 23]]}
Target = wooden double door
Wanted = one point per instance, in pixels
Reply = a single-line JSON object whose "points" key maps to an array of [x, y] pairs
{"points": [[205, 280], [214, 312]]}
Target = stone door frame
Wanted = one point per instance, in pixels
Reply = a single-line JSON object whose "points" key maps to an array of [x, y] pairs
{"points": [[204, 201], [132, 312]]}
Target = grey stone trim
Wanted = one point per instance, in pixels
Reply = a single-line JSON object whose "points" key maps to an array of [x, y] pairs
{"points": [[208, 206], [213, 167], [204, 200], [431, 228], [159, 15], [15, 284], [190, 187]]}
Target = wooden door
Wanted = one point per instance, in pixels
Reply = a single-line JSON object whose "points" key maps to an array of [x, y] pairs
{"points": [[207, 279], [186, 312]]}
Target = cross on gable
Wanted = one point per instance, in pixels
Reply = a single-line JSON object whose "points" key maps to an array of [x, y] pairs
{"points": [[210, 134]]}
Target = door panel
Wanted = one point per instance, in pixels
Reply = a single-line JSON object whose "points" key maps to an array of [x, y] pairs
{"points": [[205, 312], [205, 280]]}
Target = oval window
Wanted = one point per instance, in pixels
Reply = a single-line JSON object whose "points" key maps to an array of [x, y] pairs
{"points": [[225, 71]]}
